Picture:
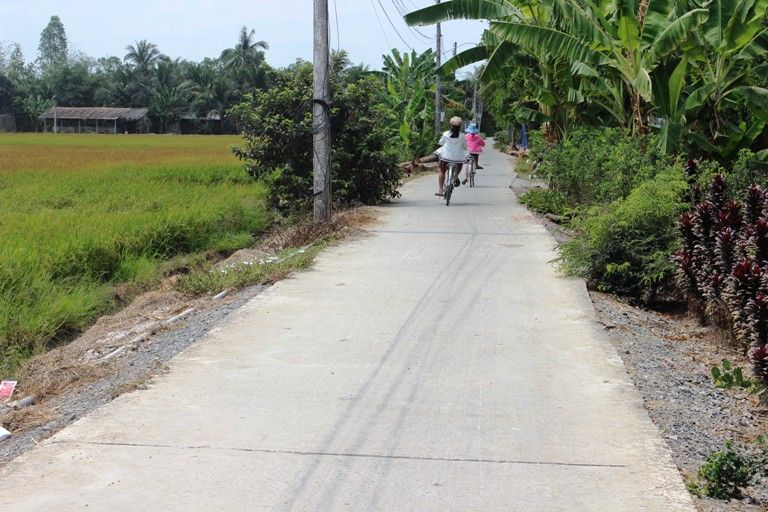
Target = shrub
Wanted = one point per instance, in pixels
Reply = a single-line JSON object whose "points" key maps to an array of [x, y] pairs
{"points": [[598, 165], [625, 247], [722, 265], [545, 201], [277, 140], [725, 473]]}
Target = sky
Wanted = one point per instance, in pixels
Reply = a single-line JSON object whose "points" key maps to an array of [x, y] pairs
{"points": [[194, 29]]}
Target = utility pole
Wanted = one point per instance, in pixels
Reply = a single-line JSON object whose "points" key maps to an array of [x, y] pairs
{"points": [[321, 112], [455, 49], [438, 85]]}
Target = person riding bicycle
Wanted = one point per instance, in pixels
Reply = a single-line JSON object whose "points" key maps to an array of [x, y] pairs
{"points": [[453, 150], [475, 143]]}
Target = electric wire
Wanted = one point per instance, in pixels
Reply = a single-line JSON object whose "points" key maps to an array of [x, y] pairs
{"points": [[402, 10], [338, 32], [381, 25], [394, 27]]}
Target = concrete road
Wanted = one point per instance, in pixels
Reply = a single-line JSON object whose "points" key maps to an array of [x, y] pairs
{"points": [[438, 363]]}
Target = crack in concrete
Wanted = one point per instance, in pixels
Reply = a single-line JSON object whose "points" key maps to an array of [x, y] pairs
{"points": [[350, 455]]}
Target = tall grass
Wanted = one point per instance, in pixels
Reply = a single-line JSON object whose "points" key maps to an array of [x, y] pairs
{"points": [[79, 214]]}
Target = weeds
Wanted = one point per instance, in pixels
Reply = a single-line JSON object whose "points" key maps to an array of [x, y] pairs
{"points": [[265, 271], [727, 472], [730, 377]]}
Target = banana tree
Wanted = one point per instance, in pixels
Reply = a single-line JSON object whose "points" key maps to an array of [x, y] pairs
{"points": [[409, 79], [549, 84], [616, 38], [615, 45], [731, 39]]}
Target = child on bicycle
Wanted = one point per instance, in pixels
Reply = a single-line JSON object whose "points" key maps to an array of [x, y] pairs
{"points": [[453, 149], [475, 143]]}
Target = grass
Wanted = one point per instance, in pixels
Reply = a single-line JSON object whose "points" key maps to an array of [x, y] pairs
{"points": [[267, 271], [80, 214]]}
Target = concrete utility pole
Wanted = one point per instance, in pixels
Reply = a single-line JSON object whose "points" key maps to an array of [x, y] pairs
{"points": [[321, 111], [438, 85]]}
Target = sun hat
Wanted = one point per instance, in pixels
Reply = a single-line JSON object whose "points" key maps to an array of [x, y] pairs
{"points": [[456, 121], [472, 128]]}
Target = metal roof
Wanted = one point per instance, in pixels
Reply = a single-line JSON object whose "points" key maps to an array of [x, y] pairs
{"points": [[101, 113]]}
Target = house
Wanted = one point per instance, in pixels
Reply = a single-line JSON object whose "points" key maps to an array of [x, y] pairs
{"points": [[96, 120]]}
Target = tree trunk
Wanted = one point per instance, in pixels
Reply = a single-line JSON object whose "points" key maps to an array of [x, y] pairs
{"points": [[639, 126]]}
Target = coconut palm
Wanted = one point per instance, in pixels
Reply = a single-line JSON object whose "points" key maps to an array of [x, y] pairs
{"points": [[143, 55], [246, 52]]}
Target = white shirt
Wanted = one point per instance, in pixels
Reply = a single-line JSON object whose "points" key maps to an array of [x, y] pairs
{"points": [[453, 150]]}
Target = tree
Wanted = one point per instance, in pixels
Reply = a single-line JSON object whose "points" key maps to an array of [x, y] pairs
{"points": [[612, 46], [34, 105], [722, 60], [8, 94], [143, 56], [168, 102], [246, 52], [52, 51], [277, 145], [142, 59], [71, 83], [410, 84], [246, 62]]}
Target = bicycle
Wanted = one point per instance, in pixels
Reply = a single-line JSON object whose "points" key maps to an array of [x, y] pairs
{"points": [[471, 171], [450, 176]]}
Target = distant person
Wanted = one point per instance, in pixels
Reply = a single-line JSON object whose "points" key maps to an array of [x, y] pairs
{"points": [[475, 143], [453, 149]]}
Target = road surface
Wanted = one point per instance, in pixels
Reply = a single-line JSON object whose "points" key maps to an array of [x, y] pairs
{"points": [[438, 363]]}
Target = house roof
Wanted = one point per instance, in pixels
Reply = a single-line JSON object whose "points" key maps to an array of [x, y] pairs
{"points": [[101, 113]]}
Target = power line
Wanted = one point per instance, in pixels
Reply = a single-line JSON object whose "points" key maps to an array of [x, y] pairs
{"points": [[381, 25], [338, 32], [401, 9], [394, 27]]}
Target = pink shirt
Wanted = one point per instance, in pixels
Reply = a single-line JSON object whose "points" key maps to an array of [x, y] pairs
{"points": [[475, 143]]}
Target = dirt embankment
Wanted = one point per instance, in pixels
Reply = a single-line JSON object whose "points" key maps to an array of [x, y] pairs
{"points": [[123, 352]]}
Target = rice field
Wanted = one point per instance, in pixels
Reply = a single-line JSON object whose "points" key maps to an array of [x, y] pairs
{"points": [[81, 214]]}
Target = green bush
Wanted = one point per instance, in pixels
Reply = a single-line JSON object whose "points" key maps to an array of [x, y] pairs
{"points": [[501, 140], [598, 165], [625, 246], [545, 201], [277, 140], [725, 473]]}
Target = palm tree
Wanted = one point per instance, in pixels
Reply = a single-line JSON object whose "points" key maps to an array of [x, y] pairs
{"points": [[143, 55], [168, 102], [246, 52]]}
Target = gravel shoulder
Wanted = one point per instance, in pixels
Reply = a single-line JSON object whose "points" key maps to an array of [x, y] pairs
{"points": [[669, 357], [81, 388]]}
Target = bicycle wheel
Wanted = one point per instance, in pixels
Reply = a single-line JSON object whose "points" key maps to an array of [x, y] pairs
{"points": [[472, 177], [449, 177]]}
